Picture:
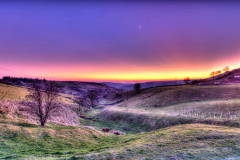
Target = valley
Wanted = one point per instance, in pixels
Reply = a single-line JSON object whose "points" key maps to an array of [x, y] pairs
{"points": [[178, 122]]}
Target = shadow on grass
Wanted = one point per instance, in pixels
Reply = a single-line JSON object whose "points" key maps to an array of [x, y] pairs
{"points": [[24, 124], [21, 124]]}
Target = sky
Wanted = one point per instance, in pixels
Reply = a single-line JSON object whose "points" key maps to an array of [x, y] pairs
{"points": [[118, 41]]}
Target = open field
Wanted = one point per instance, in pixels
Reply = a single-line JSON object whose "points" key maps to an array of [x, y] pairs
{"points": [[119, 80], [178, 130], [195, 141], [146, 111], [170, 95], [8, 92]]}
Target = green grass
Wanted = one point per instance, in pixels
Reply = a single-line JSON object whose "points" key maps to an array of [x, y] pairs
{"points": [[25, 141], [177, 111], [146, 111], [152, 118], [193, 141], [149, 121]]}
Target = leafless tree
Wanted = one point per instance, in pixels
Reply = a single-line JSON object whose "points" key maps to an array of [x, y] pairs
{"points": [[212, 74], [225, 69], [137, 87], [93, 96], [42, 100], [83, 104], [218, 72], [186, 80]]}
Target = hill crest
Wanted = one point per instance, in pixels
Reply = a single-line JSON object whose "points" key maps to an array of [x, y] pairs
{"points": [[229, 77]]}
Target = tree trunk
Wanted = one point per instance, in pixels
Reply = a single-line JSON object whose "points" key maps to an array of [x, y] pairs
{"points": [[42, 123], [92, 104]]}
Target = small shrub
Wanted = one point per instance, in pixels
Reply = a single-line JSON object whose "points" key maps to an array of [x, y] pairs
{"points": [[4, 110]]}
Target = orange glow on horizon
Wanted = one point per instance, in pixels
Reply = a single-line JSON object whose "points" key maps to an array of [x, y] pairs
{"points": [[126, 73], [122, 42]]}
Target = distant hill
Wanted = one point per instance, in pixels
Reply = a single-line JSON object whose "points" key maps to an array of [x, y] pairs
{"points": [[229, 77], [171, 95], [129, 86], [75, 88], [78, 88]]}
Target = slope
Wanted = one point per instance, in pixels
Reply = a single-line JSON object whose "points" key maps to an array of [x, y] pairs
{"points": [[161, 107], [195, 141]]}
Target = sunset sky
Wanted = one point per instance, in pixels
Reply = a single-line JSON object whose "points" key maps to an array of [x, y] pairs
{"points": [[118, 41]]}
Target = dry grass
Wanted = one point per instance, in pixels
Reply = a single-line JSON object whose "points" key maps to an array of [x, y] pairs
{"points": [[189, 141], [166, 106], [8, 92], [170, 95], [146, 119], [11, 96]]}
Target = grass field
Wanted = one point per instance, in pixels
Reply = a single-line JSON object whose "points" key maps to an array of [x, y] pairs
{"points": [[8, 92], [17, 93], [146, 111], [193, 141], [170, 95], [176, 130]]}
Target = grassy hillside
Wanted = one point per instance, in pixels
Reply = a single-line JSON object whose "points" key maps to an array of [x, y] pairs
{"points": [[17, 93], [18, 141], [8, 92], [77, 88], [167, 106], [180, 142], [164, 96], [10, 96], [178, 114], [226, 77]]}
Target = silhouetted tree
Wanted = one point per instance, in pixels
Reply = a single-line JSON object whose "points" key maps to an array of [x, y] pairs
{"points": [[186, 80], [92, 95], [218, 72], [226, 69], [42, 101], [195, 82], [83, 104], [137, 87], [212, 74]]}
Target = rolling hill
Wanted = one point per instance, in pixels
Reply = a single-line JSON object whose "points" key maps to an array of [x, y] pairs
{"points": [[11, 97], [169, 122], [160, 107], [229, 77], [130, 86], [195, 141], [75, 88], [78, 88]]}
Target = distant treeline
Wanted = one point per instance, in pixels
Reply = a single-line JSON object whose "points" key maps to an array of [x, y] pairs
{"points": [[19, 80]]}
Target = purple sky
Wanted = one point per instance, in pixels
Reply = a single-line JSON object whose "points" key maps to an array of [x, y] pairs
{"points": [[124, 37]]}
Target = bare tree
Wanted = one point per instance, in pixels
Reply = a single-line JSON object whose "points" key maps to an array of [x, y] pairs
{"points": [[42, 101], [137, 87], [186, 80], [225, 69], [212, 74], [218, 72], [83, 104], [93, 96]]}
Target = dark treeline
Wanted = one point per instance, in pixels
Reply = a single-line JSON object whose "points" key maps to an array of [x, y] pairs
{"points": [[19, 80]]}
